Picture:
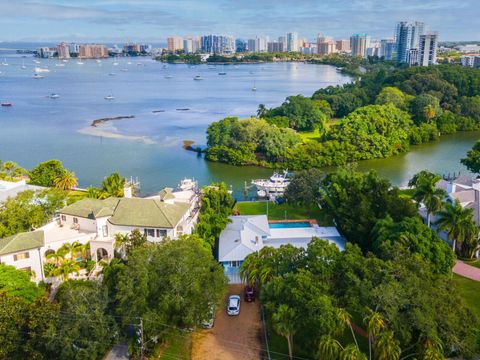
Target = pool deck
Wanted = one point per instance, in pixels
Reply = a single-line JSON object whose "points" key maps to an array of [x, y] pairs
{"points": [[311, 221]]}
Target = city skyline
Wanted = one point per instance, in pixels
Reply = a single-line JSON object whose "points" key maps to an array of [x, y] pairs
{"points": [[149, 20]]}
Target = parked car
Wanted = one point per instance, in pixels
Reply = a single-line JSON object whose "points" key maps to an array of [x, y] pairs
{"points": [[249, 295], [208, 323], [233, 305]]}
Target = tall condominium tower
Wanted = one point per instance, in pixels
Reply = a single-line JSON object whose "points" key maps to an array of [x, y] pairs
{"points": [[292, 42], [408, 37], [427, 53], [359, 44]]}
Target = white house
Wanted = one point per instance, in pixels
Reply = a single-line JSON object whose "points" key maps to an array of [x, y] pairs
{"points": [[97, 221], [245, 235]]}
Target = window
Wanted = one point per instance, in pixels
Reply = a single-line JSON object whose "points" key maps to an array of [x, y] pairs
{"points": [[75, 220], [234, 263], [64, 218], [149, 232], [161, 233], [105, 230], [21, 256]]}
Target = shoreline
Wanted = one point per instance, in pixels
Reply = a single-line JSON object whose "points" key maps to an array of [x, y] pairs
{"points": [[111, 132]]}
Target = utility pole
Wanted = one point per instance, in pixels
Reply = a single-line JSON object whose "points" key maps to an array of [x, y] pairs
{"points": [[142, 350]]}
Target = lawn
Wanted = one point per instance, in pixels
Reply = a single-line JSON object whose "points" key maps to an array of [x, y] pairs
{"points": [[179, 347], [283, 211], [469, 290], [310, 135]]}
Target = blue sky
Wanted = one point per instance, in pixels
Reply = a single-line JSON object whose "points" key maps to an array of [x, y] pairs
{"points": [[154, 20]]}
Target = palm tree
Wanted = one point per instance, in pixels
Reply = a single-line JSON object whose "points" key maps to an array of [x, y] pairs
{"points": [[262, 110], [352, 352], [257, 268], [375, 324], [66, 268], [386, 347], [284, 323], [329, 348], [426, 192], [113, 186], [456, 221], [345, 320], [432, 350], [66, 181], [56, 256], [121, 241], [73, 249]]}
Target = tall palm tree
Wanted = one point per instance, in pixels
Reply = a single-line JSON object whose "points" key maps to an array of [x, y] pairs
{"points": [[375, 324], [56, 256], [345, 320], [426, 192], [329, 348], [262, 110], [456, 221], [284, 323], [66, 181]]}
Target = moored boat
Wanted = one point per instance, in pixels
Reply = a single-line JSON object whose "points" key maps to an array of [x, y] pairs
{"points": [[277, 184], [6, 104]]}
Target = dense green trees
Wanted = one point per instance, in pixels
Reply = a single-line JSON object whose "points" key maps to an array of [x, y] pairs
{"points": [[18, 284], [304, 188], [407, 307], [45, 173], [215, 209], [472, 161], [374, 118], [29, 210]]}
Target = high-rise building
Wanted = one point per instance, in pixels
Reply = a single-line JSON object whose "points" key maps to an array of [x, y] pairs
{"points": [[427, 50], [252, 45], [471, 61], [174, 43], [218, 44], [325, 45], [388, 49], [74, 48], [292, 42], [358, 44], [342, 45], [412, 57], [282, 40], [273, 47], [191, 44], [240, 45], [408, 37], [92, 51], [131, 48], [63, 51]]}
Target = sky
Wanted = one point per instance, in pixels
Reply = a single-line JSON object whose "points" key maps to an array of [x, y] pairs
{"points": [[154, 20]]}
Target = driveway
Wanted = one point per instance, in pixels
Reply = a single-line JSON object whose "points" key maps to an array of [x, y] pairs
{"points": [[232, 337]]}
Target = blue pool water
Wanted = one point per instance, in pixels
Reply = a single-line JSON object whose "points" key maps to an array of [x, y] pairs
{"points": [[289, 225]]}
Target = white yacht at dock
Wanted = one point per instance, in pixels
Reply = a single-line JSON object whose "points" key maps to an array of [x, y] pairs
{"points": [[275, 185]]}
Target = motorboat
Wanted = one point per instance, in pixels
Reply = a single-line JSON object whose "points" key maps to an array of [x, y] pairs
{"points": [[168, 76], [37, 76], [36, 61], [115, 64], [109, 97], [254, 88], [80, 63], [222, 73], [60, 64], [198, 77], [123, 70], [54, 96], [111, 74], [187, 184], [38, 70], [276, 184], [6, 104]]}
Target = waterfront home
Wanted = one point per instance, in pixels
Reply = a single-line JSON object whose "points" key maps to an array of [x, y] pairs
{"points": [[245, 235], [94, 221], [466, 190]]}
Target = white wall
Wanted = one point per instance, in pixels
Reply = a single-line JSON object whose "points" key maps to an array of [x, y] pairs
{"points": [[33, 262]]}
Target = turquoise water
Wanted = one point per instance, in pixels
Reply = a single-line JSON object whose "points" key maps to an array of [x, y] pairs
{"points": [[289, 225], [37, 128]]}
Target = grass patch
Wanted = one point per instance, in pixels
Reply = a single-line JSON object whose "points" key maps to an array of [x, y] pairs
{"points": [[408, 193], [310, 135], [178, 347], [283, 211], [475, 263], [468, 290]]}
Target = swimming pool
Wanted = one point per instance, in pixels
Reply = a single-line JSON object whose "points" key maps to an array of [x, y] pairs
{"points": [[289, 225]]}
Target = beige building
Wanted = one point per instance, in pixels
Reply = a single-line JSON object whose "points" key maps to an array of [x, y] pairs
{"points": [[92, 51], [342, 45], [325, 46], [63, 51], [174, 43]]}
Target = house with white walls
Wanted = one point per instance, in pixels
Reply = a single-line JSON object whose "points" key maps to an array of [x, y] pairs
{"points": [[247, 234], [95, 221]]}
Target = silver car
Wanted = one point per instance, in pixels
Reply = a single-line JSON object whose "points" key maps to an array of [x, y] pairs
{"points": [[233, 305]]}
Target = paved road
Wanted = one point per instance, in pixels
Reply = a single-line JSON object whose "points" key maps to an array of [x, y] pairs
{"points": [[232, 337], [467, 271]]}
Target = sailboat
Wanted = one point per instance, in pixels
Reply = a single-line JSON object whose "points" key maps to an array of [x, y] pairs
{"points": [[23, 64], [254, 88], [4, 63], [79, 62]]}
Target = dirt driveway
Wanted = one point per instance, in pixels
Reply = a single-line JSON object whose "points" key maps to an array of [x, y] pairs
{"points": [[232, 337]]}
